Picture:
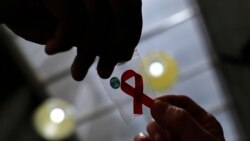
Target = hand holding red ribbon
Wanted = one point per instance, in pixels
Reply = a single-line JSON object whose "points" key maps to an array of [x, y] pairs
{"points": [[136, 92]]}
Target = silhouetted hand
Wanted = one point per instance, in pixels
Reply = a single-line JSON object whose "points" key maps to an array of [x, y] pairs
{"points": [[109, 29], [178, 118]]}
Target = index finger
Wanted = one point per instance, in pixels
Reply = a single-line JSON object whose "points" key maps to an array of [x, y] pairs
{"points": [[186, 103], [180, 122]]}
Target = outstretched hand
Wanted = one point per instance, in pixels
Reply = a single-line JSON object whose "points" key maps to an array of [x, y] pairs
{"points": [[109, 29], [178, 118]]}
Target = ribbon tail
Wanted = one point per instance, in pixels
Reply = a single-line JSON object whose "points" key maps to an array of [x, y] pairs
{"points": [[137, 107]]}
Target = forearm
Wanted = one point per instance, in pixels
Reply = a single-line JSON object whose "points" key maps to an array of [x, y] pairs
{"points": [[8, 8], [12, 9]]}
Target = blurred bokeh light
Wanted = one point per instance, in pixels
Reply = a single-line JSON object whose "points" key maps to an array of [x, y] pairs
{"points": [[54, 119], [161, 70]]}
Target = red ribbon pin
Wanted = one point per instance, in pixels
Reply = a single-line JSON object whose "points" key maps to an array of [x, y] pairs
{"points": [[136, 92]]}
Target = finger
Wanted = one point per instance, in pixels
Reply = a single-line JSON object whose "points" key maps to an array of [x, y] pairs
{"points": [[60, 41], [179, 121], [197, 112], [186, 103], [81, 65], [156, 132], [85, 43], [142, 137], [106, 65], [125, 30], [126, 27], [98, 32]]}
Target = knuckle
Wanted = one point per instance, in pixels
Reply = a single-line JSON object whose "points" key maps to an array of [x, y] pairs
{"points": [[186, 98]]}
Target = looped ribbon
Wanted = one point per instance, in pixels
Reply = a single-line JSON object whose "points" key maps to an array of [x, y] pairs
{"points": [[139, 97]]}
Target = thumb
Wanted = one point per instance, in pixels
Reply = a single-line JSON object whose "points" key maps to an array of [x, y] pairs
{"points": [[178, 121]]}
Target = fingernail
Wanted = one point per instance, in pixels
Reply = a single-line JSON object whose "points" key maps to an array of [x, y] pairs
{"points": [[157, 137]]}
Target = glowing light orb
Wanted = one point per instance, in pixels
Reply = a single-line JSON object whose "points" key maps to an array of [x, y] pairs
{"points": [[54, 119], [156, 69], [161, 70], [57, 115]]}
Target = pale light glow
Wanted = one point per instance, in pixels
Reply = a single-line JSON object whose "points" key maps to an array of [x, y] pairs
{"points": [[156, 69], [57, 115]]}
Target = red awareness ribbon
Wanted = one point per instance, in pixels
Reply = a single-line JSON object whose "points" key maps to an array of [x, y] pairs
{"points": [[136, 92]]}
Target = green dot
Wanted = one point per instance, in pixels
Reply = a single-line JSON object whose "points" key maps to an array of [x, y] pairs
{"points": [[115, 82]]}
